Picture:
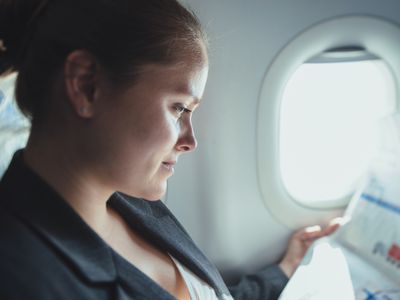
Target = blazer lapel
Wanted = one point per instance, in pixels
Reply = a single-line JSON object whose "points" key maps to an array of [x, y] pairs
{"points": [[157, 224]]}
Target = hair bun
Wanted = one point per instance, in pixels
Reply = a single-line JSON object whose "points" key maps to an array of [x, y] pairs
{"points": [[16, 18]]}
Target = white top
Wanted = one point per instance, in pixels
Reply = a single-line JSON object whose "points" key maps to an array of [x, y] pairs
{"points": [[198, 289]]}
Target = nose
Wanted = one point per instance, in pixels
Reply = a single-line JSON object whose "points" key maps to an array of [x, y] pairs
{"points": [[187, 141]]}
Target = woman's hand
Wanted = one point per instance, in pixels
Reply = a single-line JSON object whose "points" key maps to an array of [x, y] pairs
{"points": [[301, 241]]}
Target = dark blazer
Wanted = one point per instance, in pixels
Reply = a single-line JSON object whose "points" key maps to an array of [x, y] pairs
{"points": [[48, 252]]}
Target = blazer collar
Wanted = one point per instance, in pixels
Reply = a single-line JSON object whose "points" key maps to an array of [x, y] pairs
{"points": [[159, 226], [31, 199]]}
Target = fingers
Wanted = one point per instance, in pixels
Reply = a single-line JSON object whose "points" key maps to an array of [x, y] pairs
{"points": [[310, 233], [312, 229], [314, 232], [330, 229], [333, 226]]}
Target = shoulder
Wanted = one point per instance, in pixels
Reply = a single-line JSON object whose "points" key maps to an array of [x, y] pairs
{"points": [[14, 235], [25, 272]]}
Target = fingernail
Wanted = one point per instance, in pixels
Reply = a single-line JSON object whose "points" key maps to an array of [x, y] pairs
{"points": [[313, 229]]}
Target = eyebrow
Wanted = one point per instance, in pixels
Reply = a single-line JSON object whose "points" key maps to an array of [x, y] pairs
{"points": [[184, 91]]}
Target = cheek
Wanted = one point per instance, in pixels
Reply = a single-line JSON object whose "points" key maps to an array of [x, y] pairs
{"points": [[167, 133], [159, 131], [132, 133]]}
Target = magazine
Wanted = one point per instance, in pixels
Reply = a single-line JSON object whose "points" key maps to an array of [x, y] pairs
{"points": [[362, 259]]}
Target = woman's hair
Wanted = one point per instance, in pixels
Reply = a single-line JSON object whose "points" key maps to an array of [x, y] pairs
{"points": [[36, 36]]}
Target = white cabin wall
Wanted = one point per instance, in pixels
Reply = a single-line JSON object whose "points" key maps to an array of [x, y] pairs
{"points": [[214, 191]]}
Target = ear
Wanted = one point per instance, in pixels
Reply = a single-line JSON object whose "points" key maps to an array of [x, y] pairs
{"points": [[81, 79]]}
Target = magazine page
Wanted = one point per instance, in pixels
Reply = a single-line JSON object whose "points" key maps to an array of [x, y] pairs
{"points": [[373, 231], [362, 259], [330, 272]]}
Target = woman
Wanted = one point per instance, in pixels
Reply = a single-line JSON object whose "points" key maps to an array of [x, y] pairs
{"points": [[110, 87]]}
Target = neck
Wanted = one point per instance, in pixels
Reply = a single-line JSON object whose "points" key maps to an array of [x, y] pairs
{"points": [[63, 169]]}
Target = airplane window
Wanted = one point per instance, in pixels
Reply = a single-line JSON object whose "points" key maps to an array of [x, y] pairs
{"points": [[327, 134], [317, 106]]}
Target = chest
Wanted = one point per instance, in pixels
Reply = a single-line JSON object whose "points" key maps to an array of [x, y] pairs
{"points": [[154, 263]]}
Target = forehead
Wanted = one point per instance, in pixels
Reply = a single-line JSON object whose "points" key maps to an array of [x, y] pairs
{"points": [[190, 64], [181, 78]]}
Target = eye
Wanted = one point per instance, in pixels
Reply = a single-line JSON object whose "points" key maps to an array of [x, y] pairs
{"points": [[181, 109]]}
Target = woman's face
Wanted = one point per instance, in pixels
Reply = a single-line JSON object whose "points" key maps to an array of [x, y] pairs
{"points": [[141, 132]]}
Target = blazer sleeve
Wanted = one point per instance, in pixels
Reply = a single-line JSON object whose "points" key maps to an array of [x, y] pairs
{"points": [[266, 284]]}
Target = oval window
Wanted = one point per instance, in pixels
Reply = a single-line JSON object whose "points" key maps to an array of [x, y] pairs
{"points": [[327, 122]]}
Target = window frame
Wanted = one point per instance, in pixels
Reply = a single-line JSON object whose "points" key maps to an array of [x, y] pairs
{"points": [[378, 36]]}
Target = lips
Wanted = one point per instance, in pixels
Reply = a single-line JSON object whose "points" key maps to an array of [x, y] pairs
{"points": [[169, 165]]}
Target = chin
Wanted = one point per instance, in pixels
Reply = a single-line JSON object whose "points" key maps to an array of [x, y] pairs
{"points": [[156, 193], [150, 194]]}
